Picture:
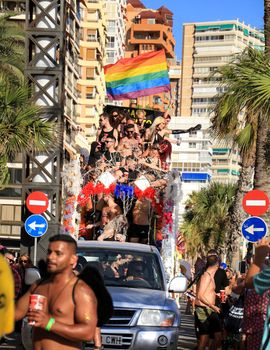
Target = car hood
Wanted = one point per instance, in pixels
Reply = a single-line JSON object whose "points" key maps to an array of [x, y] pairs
{"points": [[137, 298]]}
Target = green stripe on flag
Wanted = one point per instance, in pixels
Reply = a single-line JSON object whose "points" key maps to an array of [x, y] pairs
{"points": [[138, 78]]}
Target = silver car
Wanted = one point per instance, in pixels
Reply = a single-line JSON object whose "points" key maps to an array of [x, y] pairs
{"points": [[145, 317]]}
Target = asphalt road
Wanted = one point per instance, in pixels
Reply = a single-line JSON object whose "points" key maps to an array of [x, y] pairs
{"points": [[187, 339]]}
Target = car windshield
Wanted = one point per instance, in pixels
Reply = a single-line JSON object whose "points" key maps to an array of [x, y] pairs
{"points": [[124, 268]]}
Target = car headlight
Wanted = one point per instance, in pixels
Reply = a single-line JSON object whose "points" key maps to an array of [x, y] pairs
{"points": [[160, 318]]}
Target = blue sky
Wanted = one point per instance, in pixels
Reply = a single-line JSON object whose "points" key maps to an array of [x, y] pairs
{"points": [[185, 11]]}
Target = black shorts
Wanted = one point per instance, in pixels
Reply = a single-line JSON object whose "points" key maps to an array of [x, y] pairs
{"points": [[207, 322], [138, 231]]}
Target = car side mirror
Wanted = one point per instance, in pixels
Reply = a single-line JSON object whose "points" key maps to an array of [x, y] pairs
{"points": [[31, 275], [178, 284]]}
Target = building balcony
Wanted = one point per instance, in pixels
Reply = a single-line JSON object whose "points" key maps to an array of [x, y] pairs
{"points": [[152, 29]]}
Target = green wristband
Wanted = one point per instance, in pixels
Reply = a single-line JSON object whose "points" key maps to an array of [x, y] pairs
{"points": [[50, 324]]}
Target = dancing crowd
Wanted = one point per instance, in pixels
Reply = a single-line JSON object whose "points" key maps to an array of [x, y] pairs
{"points": [[131, 152]]}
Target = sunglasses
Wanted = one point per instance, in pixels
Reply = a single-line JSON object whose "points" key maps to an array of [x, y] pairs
{"points": [[11, 261]]}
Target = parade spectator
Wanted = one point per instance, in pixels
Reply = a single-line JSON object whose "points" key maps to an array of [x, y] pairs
{"points": [[258, 278], [24, 263], [207, 320], [10, 257], [70, 315]]}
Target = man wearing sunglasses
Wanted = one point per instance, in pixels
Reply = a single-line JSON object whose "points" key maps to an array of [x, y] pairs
{"points": [[110, 154]]}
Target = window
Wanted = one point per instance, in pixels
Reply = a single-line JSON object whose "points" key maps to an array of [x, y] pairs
{"points": [[151, 21], [111, 42], [157, 100], [192, 144]]}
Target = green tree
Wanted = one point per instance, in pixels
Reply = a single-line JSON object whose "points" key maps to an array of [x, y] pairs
{"points": [[12, 50], [206, 217], [22, 128], [235, 120]]}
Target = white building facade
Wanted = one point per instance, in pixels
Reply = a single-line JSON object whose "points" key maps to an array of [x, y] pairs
{"points": [[193, 157]]}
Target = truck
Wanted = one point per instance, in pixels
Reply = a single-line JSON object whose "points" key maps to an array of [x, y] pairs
{"points": [[145, 316]]}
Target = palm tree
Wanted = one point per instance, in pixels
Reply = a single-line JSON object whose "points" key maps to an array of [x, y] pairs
{"points": [[12, 46], [21, 126], [205, 220], [262, 102], [235, 120]]}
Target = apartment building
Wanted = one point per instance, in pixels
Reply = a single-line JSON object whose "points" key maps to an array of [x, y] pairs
{"points": [[149, 30], [73, 136], [206, 47], [175, 80], [91, 85], [116, 29], [192, 157]]}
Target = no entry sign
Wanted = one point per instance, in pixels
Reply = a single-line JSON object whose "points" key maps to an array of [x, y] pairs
{"points": [[37, 202], [255, 202]]}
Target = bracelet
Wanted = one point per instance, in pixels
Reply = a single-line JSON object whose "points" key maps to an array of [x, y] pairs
{"points": [[50, 323]]}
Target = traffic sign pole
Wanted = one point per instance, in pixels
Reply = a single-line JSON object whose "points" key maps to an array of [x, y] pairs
{"points": [[35, 252]]}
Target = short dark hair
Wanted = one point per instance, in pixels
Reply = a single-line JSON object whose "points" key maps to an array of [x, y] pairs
{"points": [[212, 260], [212, 252], [64, 238], [111, 137]]}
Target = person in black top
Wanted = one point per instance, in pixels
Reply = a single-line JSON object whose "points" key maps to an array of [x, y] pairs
{"points": [[106, 130], [110, 154]]}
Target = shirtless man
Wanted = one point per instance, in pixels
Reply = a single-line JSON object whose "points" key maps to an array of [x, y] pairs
{"points": [[70, 315], [207, 321], [139, 229]]}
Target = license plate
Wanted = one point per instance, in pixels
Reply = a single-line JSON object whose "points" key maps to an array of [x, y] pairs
{"points": [[111, 340]]}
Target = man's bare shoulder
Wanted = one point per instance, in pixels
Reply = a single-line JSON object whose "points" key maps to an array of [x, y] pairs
{"points": [[83, 288], [206, 276]]}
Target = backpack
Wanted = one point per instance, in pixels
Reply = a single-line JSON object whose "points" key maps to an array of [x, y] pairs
{"points": [[91, 276], [234, 319]]}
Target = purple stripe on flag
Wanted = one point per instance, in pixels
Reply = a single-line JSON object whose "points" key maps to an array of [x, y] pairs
{"points": [[140, 93]]}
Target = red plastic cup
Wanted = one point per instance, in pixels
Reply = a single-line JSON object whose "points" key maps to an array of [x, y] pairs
{"points": [[222, 296], [36, 302]]}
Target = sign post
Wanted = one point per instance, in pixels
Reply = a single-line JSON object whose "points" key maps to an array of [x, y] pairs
{"points": [[36, 225]]}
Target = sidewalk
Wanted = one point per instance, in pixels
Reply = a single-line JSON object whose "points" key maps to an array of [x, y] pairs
{"points": [[187, 338]]}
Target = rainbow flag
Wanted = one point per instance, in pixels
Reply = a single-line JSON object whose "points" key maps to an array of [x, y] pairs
{"points": [[144, 75]]}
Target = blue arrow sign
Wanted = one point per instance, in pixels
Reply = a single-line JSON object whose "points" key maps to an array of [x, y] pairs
{"points": [[36, 225], [254, 229]]}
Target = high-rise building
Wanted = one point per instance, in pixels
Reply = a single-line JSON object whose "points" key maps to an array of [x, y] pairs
{"points": [[175, 80], [149, 30], [74, 140], [206, 47], [116, 29], [192, 156], [91, 85]]}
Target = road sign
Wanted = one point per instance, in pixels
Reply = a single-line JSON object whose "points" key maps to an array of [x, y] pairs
{"points": [[37, 202], [255, 202], [36, 225], [254, 229]]}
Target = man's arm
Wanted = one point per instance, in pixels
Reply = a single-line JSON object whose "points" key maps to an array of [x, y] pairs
{"points": [[85, 317], [22, 305], [262, 249]]}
